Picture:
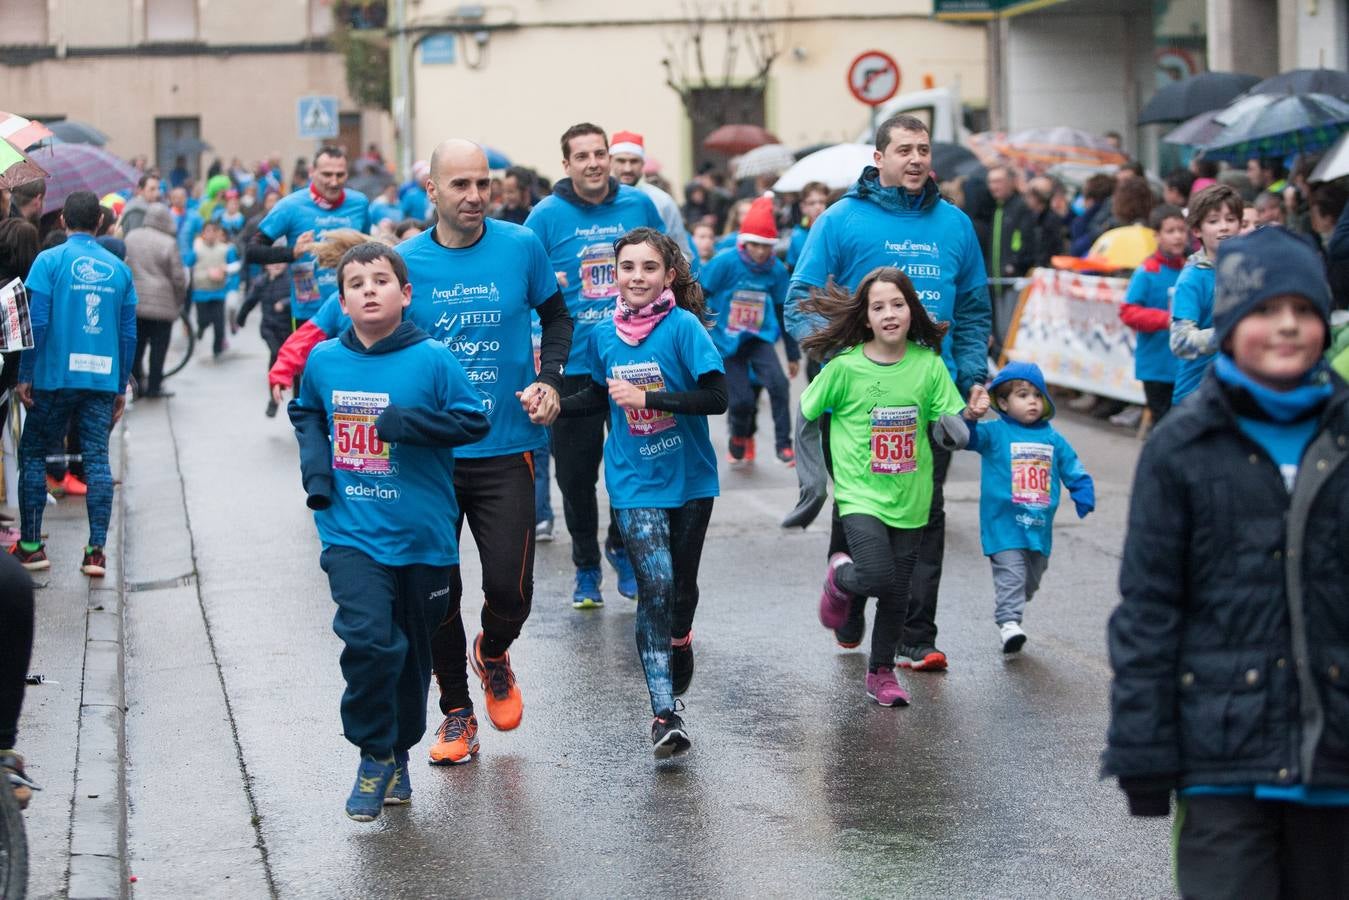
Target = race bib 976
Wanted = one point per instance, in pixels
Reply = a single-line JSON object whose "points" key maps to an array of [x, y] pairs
{"points": [[598, 272]]}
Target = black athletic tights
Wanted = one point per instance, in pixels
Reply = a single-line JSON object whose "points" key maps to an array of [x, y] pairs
{"points": [[16, 644]]}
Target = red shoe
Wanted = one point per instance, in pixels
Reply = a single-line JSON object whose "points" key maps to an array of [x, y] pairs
{"points": [[749, 449], [74, 486], [922, 659]]}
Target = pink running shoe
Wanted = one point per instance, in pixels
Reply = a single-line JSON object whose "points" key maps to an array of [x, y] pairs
{"points": [[834, 600], [885, 689]]}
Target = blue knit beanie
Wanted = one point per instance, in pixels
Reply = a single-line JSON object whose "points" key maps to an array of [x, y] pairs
{"points": [[1266, 263]]}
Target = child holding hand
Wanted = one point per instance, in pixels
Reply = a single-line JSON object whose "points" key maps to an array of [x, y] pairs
{"points": [[1024, 461], [885, 387], [655, 368]]}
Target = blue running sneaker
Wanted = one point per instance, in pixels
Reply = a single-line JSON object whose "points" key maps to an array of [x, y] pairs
{"points": [[587, 592], [400, 789], [627, 578], [373, 778]]}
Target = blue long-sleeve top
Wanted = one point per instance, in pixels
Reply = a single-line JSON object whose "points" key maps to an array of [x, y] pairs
{"points": [[1023, 467], [82, 304]]}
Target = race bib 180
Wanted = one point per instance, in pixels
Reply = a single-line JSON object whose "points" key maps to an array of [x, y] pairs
{"points": [[747, 312], [894, 440], [1032, 469], [647, 376], [356, 444], [598, 272]]}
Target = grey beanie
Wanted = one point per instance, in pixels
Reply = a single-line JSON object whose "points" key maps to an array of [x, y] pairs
{"points": [[1266, 263]]}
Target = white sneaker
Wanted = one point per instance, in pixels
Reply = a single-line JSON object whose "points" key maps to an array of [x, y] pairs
{"points": [[543, 532], [1128, 418], [1013, 638]]}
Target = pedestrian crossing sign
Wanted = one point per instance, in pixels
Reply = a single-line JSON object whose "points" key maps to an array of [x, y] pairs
{"points": [[317, 117]]}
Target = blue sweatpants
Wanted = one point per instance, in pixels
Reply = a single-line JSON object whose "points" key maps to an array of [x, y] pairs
{"points": [[385, 617], [43, 428], [666, 547]]}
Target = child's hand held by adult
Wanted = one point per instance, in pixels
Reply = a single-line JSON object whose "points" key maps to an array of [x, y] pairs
{"points": [[978, 404]]}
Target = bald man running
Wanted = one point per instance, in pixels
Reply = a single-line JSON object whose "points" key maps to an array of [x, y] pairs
{"points": [[475, 284]]}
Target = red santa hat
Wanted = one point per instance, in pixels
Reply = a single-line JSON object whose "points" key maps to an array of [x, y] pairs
{"points": [[629, 143], [759, 225]]}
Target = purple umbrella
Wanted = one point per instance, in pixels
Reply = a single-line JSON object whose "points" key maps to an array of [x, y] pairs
{"points": [[81, 167]]}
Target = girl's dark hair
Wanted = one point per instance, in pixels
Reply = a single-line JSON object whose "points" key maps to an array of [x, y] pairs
{"points": [[18, 247], [846, 315], [373, 251], [688, 293], [1132, 201]]}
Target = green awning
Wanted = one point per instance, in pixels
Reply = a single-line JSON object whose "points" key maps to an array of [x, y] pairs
{"points": [[983, 10]]}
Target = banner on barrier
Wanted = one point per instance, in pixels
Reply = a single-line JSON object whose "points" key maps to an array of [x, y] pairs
{"points": [[1068, 324]]}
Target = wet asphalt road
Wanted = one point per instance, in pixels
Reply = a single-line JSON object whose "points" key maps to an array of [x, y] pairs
{"points": [[797, 784]]}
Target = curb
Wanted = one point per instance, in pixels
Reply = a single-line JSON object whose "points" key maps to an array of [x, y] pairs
{"points": [[98, 821]]}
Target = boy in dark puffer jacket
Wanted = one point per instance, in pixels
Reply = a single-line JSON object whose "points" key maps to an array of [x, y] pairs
{"points": [[271, 291], [1231, 646]]}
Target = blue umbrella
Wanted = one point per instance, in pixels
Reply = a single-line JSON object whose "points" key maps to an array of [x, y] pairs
{"points": [[1275, 125], [495, 158]]}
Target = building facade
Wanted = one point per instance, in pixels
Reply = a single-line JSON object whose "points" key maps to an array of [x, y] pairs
{"points": [[157, 75], [516, 77]]}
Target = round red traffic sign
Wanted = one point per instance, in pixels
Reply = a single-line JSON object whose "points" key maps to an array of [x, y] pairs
{"points": [[873, 77]]}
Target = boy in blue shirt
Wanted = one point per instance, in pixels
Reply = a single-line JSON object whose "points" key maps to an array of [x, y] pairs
{"points": [[378, 412], [1228, 646], [1024, 461], [1214, 216], [83, 307], [1147, 309]]}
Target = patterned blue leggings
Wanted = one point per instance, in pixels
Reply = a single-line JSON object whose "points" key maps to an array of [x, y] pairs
{"points": [[665, 546], [44, 428]]}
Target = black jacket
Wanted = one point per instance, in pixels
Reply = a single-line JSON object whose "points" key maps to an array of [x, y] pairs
{"points": [[1230, 647]]}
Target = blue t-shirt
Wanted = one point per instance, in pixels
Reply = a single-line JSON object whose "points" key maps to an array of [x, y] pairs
{"points": [[1022, 469], [189, 226], [478, 301], [579, 241], [936, 248], [414, 203], [796, 245], [653, 458], [1192, 300], [1153, 359], [726, 241], [745, 303], [297, 213], [379, 211], [394, 502], [81, 291], [330, 319]]}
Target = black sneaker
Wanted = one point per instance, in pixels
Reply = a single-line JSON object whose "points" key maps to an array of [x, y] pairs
{"points": [[681, 664], [850, 635], [921, 658], [668, 737], [271, 409]]}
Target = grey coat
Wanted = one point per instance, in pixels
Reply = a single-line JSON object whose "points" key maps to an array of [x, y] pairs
{"points": [[156, 267]]}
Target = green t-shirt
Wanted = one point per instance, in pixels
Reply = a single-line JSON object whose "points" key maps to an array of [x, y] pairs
{"points": [[879, 418]]}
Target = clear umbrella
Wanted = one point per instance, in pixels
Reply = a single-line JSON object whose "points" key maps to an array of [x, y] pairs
{"points": [[835, 167]]}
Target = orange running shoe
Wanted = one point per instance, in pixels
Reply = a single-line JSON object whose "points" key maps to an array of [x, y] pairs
{"points": [[456, 738], [505, 705], [73, 486]]}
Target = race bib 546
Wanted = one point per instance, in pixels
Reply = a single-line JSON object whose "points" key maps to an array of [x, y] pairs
{"points": [[356, 444]]}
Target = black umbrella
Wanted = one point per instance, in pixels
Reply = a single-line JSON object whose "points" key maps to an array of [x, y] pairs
{"points": [[1299, 81], [953, 161], [188, 146], [1181, 100], [78, 133]]}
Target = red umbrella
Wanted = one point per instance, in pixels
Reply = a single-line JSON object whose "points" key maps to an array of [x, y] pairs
{"points": [[735, 139]]}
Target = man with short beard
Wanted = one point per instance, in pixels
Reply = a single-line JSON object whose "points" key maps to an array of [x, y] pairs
{"points": [[578, 224], [895, 216], [627, 157]]}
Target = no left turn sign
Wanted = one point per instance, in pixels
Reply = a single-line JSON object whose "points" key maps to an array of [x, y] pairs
{"points": [[873, 77]]}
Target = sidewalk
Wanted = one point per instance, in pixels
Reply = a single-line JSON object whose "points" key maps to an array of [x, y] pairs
{"points": [[71, 730]]}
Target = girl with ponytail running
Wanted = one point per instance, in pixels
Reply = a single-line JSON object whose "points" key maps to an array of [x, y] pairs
{"points": [[885, 386], [654, 366]]}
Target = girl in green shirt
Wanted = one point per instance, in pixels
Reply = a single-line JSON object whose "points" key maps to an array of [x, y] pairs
{"points": [[884, 388]]}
